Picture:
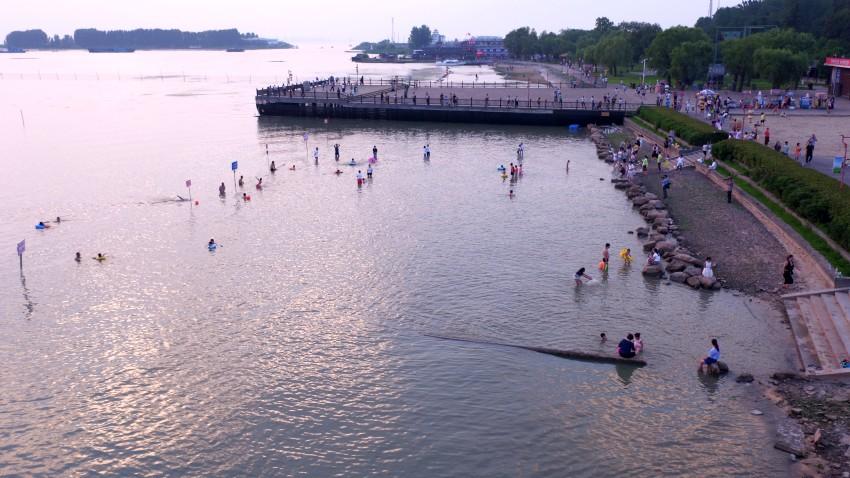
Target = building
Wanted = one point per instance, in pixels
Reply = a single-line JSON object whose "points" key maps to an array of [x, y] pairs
{"points": [[436, 38], [840, 77], [489, 47]]}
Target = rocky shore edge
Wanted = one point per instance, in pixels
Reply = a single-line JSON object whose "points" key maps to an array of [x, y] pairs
{"points": [[679, 264]]}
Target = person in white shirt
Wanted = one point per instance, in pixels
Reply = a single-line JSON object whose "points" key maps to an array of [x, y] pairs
{"points": [[316, 154], [680, 162]]}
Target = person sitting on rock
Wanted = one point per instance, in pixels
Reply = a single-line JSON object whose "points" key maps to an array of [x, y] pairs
{"points": [[710, 363]]}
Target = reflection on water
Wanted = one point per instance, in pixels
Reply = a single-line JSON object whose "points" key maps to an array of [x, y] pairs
{"points": [[297, 347]]}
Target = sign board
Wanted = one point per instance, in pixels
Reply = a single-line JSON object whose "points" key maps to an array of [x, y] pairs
{"points": [[837, 62], [732, 34], [837, 162], [234, 165], [188, 183], [306, 136], [22, 246], [716, 69]]}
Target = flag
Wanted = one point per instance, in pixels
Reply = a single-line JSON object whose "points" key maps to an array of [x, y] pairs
{"points": [[22, 246], [188, 183]]}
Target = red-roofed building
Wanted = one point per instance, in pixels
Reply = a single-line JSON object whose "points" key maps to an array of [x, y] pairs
{"points": [[840, 78]]}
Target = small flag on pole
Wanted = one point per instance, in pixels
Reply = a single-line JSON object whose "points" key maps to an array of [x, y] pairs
{"points": [[188, 183], [22, 246]]}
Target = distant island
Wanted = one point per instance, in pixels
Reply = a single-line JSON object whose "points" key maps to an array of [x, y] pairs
{"points": [[142, 39]]}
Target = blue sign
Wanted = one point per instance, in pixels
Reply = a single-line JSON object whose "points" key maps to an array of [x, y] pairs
{"points": [[234, 165], [22, 246]]}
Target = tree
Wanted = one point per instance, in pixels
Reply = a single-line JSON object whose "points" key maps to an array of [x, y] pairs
{"points": [[661, 48], [27, 39], [640, 36], [780, 66], [689, 61], [522, 42], [738, 58], [419, 37], [613, 51]]}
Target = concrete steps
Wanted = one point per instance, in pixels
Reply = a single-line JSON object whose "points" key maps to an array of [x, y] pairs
{"points": [[820, 322]]}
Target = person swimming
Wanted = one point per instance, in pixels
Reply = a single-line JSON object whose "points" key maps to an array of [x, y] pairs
{"points": [[42, 225], [352, 162], [501, 168], [273, 168], [78, 257], [245, 197], [337, 172], [259, 183], [58, 219], [511, 193], [626, 255], [99, 257], [212, 245], [292, 168], [603, 338]]}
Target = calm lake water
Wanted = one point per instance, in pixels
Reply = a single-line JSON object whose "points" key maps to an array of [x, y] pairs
{"points": [[299, 347]]}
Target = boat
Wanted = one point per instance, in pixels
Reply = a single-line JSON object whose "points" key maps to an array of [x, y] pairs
{"points": [[12, 50], [235, 50], [450, 62], [111, 50]]}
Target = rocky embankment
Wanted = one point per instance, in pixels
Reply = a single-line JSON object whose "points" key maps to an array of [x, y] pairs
{"points": [[662, 233]]}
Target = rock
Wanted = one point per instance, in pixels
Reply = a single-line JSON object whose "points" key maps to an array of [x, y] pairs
{"points": [[707, 282], [640, 201], [817, 436], [756, 412], [795, 412], [652, 271], [679, 277], [692, 271], [662, 230], [744, 378], [787, 447], [657, 237], [630, 232], [666, 246], [650, 196], [717, 286], [809, 388], [676, 266], [693, 282], [621, 186], [660, 222], [690, 260], [642, 231], [649, 246]]}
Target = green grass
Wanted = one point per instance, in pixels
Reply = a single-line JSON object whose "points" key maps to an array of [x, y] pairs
{"points": [[631, 78], [814, 240]]}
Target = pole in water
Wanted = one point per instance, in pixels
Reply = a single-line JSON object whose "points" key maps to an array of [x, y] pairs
{"points": [[23, 123]]}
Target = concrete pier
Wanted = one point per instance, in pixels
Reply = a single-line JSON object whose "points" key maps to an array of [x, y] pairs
{"points": [[494, 103]]}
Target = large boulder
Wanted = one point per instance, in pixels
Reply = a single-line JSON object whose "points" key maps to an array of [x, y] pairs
{"points": [[662, 230], [692, 271], [649, 246], [642, 232], [666, 246], [640, 201], [679, 277], [652, 271], [657, 237], [621, 185], [707, 282], [658, 204], [650, 196], [690, 260], [660, 222], [676, 266], [693, 282]]}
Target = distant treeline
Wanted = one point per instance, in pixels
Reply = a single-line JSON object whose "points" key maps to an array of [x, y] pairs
{"points": [[141, 39]]}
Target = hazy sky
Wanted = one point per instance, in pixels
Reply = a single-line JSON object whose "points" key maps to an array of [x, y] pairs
{"points": [[343, 20]]}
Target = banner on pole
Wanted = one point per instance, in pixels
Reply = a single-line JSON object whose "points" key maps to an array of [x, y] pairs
{"points": [[234, 165], [22, 246], [188, 183]]}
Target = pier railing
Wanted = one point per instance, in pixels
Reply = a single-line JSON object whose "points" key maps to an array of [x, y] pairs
{"points": [[396, 100]]}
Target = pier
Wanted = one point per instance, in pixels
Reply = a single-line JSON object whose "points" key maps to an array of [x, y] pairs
{"points": [[450, 102]]}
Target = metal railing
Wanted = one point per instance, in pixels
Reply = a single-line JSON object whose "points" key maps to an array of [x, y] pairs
{"points": [[375, 98]]}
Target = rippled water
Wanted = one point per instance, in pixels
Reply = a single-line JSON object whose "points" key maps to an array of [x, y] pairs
{"points": [[298, 347]]}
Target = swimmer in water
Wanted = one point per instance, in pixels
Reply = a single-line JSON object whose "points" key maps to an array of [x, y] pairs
{"points": [[221, 189], [568, 165], [352, 162], [42, 225], [581, 275], [58, 219], [241, 181], [273, 168], [511, 193], [78, 257], [603, 338], [100, 257], [259, 183], [337, 172], [211, 245], [626, 254], [292, 168], [244, 197]]}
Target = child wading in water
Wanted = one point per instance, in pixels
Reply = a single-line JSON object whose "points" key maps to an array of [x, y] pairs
{"points": [[580, 275]]}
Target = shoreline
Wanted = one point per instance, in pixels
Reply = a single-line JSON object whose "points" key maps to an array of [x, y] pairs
{"points": [[810, 416]]}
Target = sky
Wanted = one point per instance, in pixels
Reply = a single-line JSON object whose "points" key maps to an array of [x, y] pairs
{"points": [[343, 21]]}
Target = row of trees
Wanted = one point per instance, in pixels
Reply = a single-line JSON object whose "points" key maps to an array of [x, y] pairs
{"points": [[790, 37], [139, 38]]}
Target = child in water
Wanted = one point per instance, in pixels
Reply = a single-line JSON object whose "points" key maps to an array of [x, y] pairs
{"points": [[603, 338], [626, 255], [638, 343], [78, 257], [581, 275]]}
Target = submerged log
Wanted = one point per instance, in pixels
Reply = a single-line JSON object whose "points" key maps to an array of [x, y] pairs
{"points": [[567, 354]]}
